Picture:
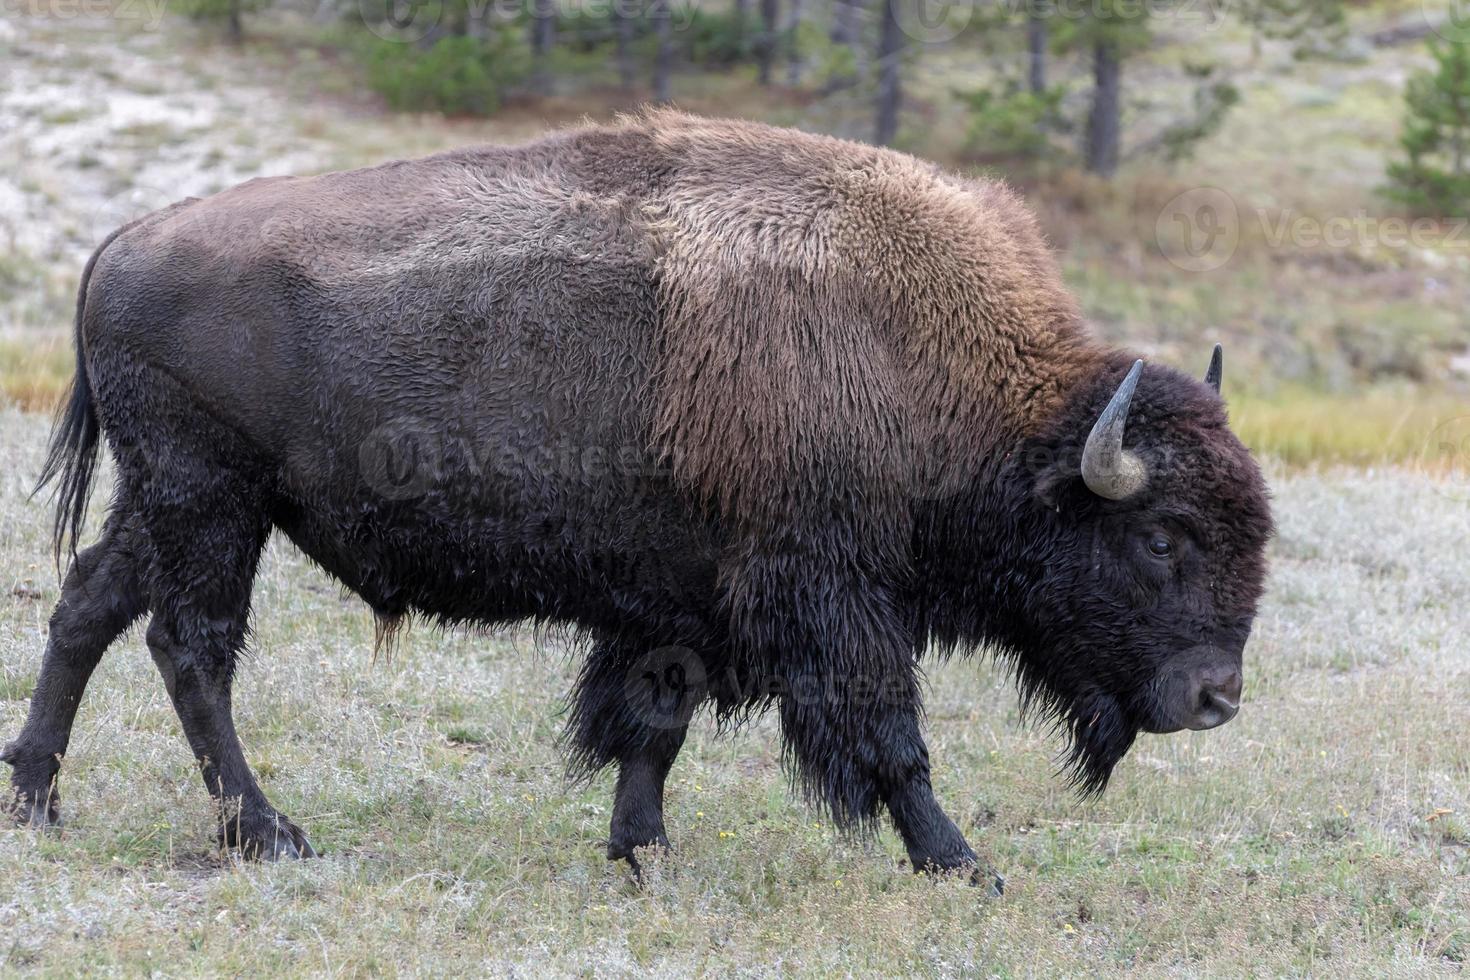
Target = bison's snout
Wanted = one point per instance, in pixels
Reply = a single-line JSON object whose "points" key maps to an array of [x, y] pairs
{"points": [[1203, 692], [1213, 699]]}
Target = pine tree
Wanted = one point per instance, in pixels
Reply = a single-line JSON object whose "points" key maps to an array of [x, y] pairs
{"points": [[1113, 29], [1433, 180]]}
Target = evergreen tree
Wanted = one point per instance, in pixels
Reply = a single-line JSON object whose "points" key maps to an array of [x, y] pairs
{"points": [[1113, 29], [1433, 179]]}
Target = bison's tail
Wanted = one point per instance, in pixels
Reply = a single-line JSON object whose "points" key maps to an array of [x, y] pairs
{"points": [[74, 437]]}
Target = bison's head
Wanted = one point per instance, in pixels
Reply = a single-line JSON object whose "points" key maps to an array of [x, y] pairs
{"points": [[1134, 561]]}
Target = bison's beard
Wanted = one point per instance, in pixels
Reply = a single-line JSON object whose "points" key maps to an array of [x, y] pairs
{"points": [[1098, 727], [1101, 734]]}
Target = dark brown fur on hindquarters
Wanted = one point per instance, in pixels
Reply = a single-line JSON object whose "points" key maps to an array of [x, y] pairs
{"points": [[767, 415]]}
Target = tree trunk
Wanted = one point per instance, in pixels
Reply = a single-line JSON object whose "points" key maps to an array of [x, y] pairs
{"points": [[793, 49], [847, 30], [234, 29], [742, 20], [766, 47], [844, 22], [663, 21], [624, 26], [1036, 48], [1103, 121], [543, 39], [890, 59]]}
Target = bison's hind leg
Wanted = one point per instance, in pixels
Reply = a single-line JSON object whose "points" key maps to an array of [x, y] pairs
{"points": [[206, 524], [101, 596]]}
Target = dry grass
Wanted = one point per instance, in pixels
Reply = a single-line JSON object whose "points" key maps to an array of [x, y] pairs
{"points": [[35, 368], [1371, 428], [1326, 830]]}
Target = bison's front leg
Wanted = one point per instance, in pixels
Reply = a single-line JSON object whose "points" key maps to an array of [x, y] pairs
{"points": [[934, 843], [865, 756], [632, 706], [850, 703], [638, 806]]}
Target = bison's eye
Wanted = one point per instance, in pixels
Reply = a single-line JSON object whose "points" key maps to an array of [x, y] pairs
{"points": [[1159, 545]]}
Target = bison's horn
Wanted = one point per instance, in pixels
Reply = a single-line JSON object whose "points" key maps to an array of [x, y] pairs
{"points": [[1216, 371], [1107, 469]]}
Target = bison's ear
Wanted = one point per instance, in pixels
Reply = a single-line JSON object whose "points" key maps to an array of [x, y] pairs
{"points": [[1050, 484], [1216, 371]]}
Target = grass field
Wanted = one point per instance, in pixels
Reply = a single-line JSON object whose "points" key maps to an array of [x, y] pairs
{"points": [[1325, 831]]}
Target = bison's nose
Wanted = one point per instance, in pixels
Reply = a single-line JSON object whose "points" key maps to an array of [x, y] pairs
{"points": [[1216, 697]]}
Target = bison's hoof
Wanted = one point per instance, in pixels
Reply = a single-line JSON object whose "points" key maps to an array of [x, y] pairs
{"points": [[35, 809], [993, 881], [270, 837], [655, 849], [970, 868]]}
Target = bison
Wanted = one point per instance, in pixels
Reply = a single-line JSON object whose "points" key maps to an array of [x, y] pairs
{"points": [[768, 417]]}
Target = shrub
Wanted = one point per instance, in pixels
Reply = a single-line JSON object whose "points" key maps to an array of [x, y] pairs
{"points": [[1010, 125], [1212, 100], [721, 37], [457, 75]]}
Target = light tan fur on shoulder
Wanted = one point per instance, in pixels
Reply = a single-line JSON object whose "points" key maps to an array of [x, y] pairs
{"points": [[842, 316]]}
